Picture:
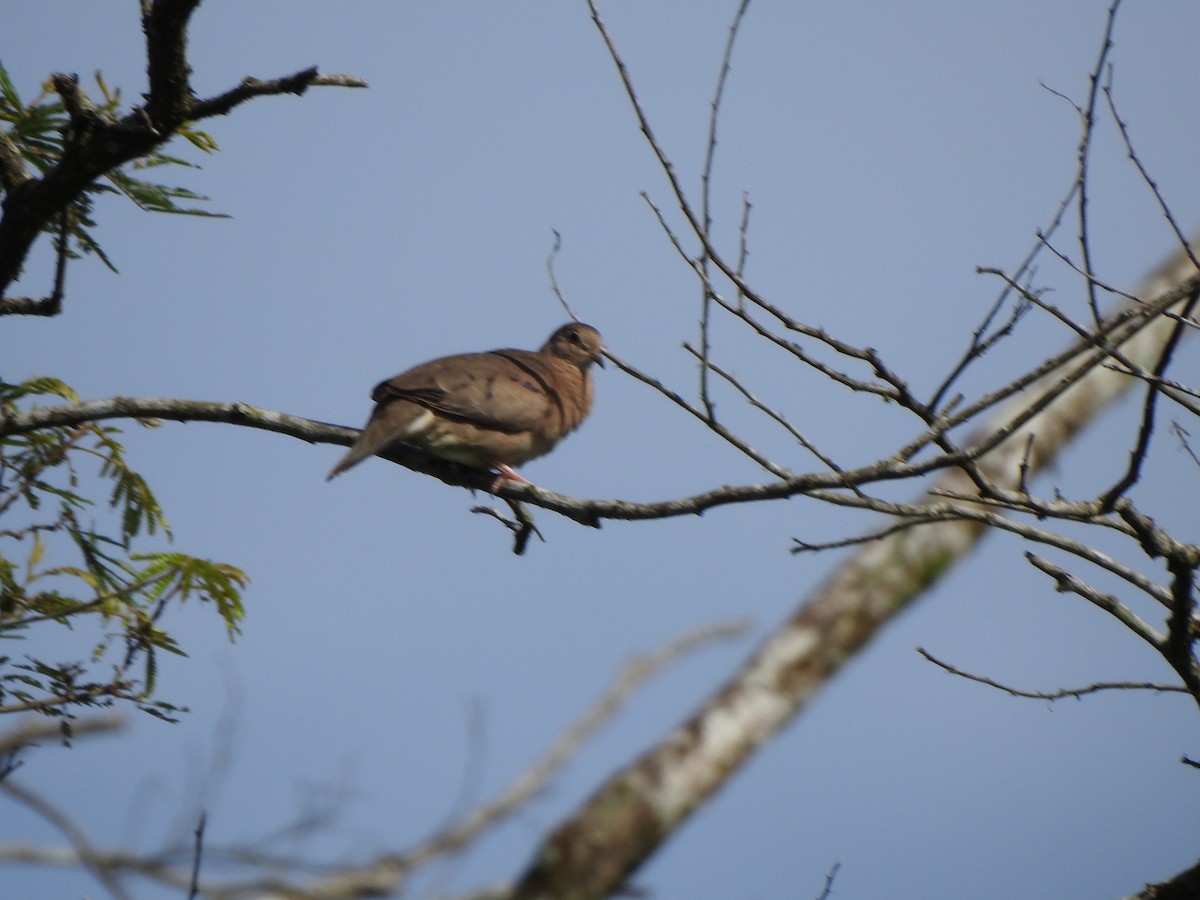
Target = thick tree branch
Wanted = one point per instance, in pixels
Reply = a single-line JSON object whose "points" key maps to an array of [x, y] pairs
{"points": [[165, 24]]}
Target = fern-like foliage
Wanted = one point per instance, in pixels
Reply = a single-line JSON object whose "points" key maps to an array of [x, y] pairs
{"points": [[69, 576]]}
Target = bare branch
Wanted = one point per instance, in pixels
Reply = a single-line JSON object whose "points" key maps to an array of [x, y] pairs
{"points": [[197, 855], [1178, 393], [1065, 581], [1138, 454], [983, 338], [1182, 434], [706, 202], [1061, 693], [521, 525], [250, 88], [966, 509], [1088, 113], [1142, 445], [1137, 329], [34, 730], [554, 286], [151, 408], [786, 478], [827, 890], [84, 851], [744, 238], [771, 413], [1146, 177]]}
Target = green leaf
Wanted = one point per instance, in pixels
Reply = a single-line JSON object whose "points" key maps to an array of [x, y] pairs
{"points": [[9, 98], [40, 386], [35, 555], [36, 130], [201, 140], [117, 600]]}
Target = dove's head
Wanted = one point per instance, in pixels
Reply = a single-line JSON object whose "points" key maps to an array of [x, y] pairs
{"points": [[578, 344]]}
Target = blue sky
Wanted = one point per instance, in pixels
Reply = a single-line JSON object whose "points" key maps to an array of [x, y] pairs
{"points": [[887, 151]]}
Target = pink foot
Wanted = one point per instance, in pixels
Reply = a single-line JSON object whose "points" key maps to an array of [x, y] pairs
{"points": [[508, 473]]}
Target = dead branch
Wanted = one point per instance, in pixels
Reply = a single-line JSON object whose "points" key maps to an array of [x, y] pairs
{"points": [[1059, 694]]}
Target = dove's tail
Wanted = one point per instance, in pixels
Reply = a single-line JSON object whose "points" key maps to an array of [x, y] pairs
{"points": [[352, 458], [366, 445]]}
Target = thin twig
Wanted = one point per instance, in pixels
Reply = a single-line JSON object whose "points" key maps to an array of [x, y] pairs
{"points": [[1144, 172], [522, 525], [827, 890], [197, 855], [1060, 694], [1182, 434], [1141, 448], [1066, 582], [774, 415], [1142, 444], [550, 259], [706, 202], [1084, 152]]}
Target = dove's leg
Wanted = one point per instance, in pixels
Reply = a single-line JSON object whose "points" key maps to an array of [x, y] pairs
{"points": [[508, 473]]}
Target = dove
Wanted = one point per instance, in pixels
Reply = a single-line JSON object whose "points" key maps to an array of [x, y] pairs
{"points": [[494, 410]]}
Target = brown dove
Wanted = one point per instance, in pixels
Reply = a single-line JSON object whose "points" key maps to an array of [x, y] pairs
{"points": [[491, 410]]}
